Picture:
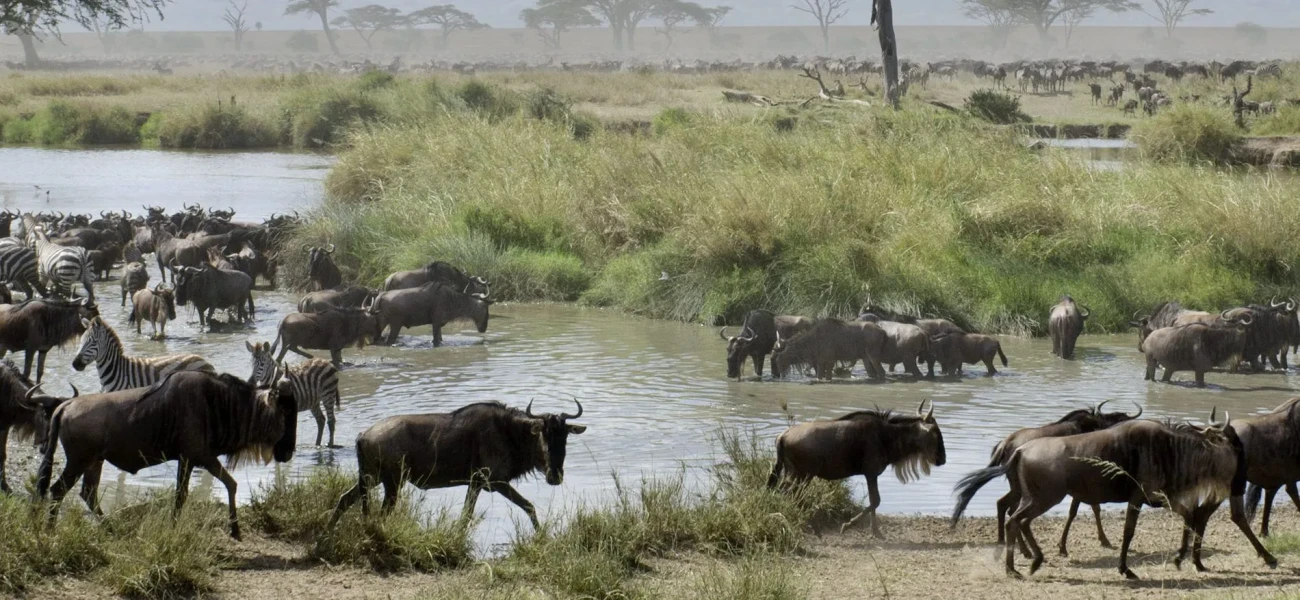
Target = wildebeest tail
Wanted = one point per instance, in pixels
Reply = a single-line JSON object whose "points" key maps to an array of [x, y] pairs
{"points": [[1001, 355], [972, 483], [775, 477], [47, 459], [1253, 495]]}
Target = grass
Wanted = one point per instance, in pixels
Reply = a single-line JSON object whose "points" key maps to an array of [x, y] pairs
{"points": [[138, 551], [400, 541], [931, 212], [1187, 132]]}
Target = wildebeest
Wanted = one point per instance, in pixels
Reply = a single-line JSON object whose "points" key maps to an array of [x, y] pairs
{"points": [[350, 296], [1077, 421], [156, 306], [208, 289], [173, 252], [435, 304], [436, 271], [957, 349], [1095, 88], [192, 417], [1272, 446], [757, 335], [332, 329], [1065, 323], [831, 341], [1188, 469], [905, 344], [321, 270], [1169, 314], [36, 326], [134, 278], [485, 446], [21, 413], [861, 443], [1194, 347], [935, 329]]}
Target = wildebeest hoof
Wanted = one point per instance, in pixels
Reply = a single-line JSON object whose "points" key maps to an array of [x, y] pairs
{"points": [[1178, 564], [333, 446], [1035, 566], [1107, 545], [1272, 564], [1064, 553], [1129, 574], [1200, 568], [1014, 574]]}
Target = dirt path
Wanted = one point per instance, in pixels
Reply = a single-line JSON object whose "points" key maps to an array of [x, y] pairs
{"points": [[920, 558]]}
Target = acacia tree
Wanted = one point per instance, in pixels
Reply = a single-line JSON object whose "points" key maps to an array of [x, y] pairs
{"points": [[448, 18], [551, 20], [1043, 14], [674, 13], [710, 19], [29, 19], [882, 18], [994, 13], [234, 17], [370, 20], [827, 12], [1172, 12], [319, 8], [1072, 19]]}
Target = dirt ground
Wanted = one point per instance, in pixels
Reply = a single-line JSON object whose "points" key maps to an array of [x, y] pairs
{"points": [[920, 558]]}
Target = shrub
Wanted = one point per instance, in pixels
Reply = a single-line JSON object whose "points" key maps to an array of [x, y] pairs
{"points": [[156, 555], [375, 79], [213, 126], [671, 118], [487, 100], [319, 116], [63, 122], [996, 107], [1187, 132], [1286, 121], [30, 554]]}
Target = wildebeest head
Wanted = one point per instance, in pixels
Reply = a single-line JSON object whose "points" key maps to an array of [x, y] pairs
{"points": [[279, 394], [321, 267], [1114, 418], [737, 350], [165, 293], [553, 435], [43, 406], [185, 281], [480, 311], [928, 437]]}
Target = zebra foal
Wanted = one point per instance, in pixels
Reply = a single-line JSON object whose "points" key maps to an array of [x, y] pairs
{"points": [[315, 384]]}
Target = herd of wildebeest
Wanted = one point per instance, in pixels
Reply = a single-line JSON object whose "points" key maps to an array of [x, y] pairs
{"points": [[158, 409]]}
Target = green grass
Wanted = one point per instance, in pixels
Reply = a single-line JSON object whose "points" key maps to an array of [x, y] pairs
{"points": [[935, 213], [401, 541], [213, 126], [65, 122], [1187, 132]]}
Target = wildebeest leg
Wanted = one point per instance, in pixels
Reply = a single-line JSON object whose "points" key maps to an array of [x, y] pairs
{"points": [[1238, 510], [471, 497], [393, 330], [437, 336], [1151, 369], [360, 491], [1069, 519], [1200, 378], [758, 364], [873, 493], [909, 365], [72, 471], [336, 357], [1130, 526], [90, 487], [298, 351], [1004, 505], [40, 364], [183, 470], [1269, 494], [1295, 495], [1169, 375], [392, 486], [988, 362], [214, 466], [1101, 532], [4, 445], [1200, 518], [511, 494]]}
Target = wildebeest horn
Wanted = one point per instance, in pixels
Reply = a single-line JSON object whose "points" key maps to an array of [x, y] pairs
{"points": [[1139, 410], [779, 346], [722, 333], [306, 248], [929, 415], [1290, 304], [1213, 412], [529, 411], [102, 215], [567, 416], [1096, 410], [329, 249], [31, 392], [481, 281], [75, 392], [1087, 312], [1246, 319]]}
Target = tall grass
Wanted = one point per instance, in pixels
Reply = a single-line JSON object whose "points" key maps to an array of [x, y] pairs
{"points": [[935, 213], [65, 122], [1187, 132]]}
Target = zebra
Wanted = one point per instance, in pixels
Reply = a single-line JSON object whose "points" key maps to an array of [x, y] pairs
{"points": [[64, 266], [117, 371], [18, 267], [315, 383]]}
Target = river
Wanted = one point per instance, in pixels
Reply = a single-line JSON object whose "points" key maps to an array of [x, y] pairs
{"points": [[655, 392]]}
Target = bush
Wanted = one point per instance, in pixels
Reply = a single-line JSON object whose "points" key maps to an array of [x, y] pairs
{"points": [[63, 122], [1187, 132], [375, 79], [319, 116], [487, 100], [1286, 121], [30, 554], [156, 555], [303, 41], [996, 107], [671, 118], [212, 127]]}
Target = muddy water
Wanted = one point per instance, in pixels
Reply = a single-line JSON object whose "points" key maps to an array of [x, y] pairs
{"points": [[654, 391]]}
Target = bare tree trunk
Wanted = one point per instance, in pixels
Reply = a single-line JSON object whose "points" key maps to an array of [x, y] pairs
{"points": [[631, 38], [617, 28], [30, 57], [329, 33], [883, 17], [826, 38]]}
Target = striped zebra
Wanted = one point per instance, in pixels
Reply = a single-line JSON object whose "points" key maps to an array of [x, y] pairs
{"points": [[62, 267], [315, 383], [18, 267], [117, 371]]}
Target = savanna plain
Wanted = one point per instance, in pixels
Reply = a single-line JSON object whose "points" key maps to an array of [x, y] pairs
{"points": [[648, 192]]}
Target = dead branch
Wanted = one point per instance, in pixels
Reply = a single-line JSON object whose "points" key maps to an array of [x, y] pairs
{"points": [[747, 98]]}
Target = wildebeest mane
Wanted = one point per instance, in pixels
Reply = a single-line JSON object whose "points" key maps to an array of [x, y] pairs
{"points": [[1176, 460], [235, 422], [16, 387], [1074, 415], [883, 414], [526, 447]]}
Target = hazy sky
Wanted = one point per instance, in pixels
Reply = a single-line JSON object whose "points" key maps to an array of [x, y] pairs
{"points": [[205, 14]]}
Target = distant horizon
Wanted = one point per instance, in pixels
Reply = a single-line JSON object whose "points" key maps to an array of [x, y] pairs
{"points": [[205, 15]]}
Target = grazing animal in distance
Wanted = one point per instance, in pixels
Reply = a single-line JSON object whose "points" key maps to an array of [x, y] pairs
{"points": [[437, 271], [861, 443], [831, 341], [485, 446], [208, 289], [315, 384], [332, 329], [1196, 347], [157, 306], [758, 334], [134, 278], [957, 349], [435, 304], [192, 417]]}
